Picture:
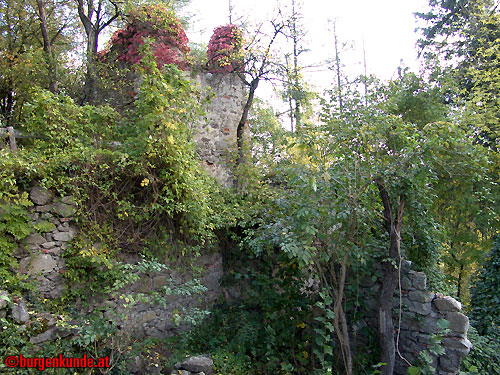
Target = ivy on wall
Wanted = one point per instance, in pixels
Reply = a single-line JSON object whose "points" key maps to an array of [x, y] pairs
{"points": [[225, 50], [162, 26]]}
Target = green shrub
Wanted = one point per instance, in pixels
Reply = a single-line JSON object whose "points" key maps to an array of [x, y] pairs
{"points": [[484, 358]]}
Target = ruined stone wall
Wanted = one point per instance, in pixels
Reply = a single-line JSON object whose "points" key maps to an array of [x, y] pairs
{"points": [[421, 312], [41, 257], [215, 136], [41, 254]]}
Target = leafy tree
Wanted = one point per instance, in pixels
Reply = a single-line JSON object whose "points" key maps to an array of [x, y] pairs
{"points": [[95, 17], [251, 60], [34, 40], [461, 35], [466, 220], [225, 50], [352, 181], [256, 67], [415, 100], [18, 55]]}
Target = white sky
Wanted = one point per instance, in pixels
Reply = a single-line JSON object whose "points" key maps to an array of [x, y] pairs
{"points": [[387, 27]]}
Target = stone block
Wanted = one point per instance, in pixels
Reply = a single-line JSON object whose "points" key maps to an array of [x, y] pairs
{"points": [[20, 312], [63, 236], [419, 307], [40, 195], [423, 324], [460, 343], [160, 280], [34, 239], [459, 323], [450, 362], [144, 285], [56, 251], [64, 210], [197, 364], [47, 216], [45, 208], [68, 200], [48, 335], [37, 263], [445, 303], [419, 280], [420, 296], [406, 283], [148, 316]]}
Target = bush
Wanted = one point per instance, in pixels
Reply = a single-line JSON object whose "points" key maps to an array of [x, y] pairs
{"points": [[484, 358]]}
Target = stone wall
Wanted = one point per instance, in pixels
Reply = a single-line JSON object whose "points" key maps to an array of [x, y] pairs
{"points": [[215, 137], [40, 256], [215, 134], [421, 312]]}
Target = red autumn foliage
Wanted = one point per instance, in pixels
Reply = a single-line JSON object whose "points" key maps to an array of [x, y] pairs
{"points": [[225, 50], [155, 22]]}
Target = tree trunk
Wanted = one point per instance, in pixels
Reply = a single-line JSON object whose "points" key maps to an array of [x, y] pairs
{"points": [[9, 106], [385, 323], [47, 48], [90, 88], [459, 281], [240, 130], [337, 66], [295, 67], [389, 281]]}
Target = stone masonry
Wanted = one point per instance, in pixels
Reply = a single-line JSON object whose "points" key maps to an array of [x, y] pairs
{"points": [[40, 256], [215, 137], [421, 312]]}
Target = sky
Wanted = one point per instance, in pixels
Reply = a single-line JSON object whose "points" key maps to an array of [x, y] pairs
{"points": [[385, 27]]}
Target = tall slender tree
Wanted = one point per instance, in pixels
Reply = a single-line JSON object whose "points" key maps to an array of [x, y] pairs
{"points": [[95, 17]]}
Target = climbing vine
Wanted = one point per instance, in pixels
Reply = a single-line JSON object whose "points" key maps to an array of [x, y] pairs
{"points": [[169, 44], [225, 49]]}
